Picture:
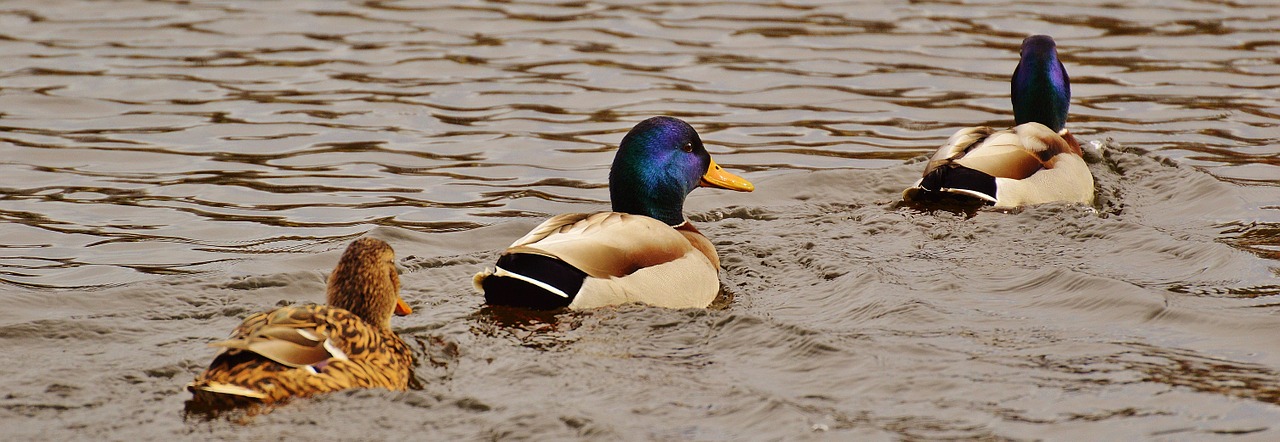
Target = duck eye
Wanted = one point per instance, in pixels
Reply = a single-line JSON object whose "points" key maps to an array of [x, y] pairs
{"points": [[688, 147]]}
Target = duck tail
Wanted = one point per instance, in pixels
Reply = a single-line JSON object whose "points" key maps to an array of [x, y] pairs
{"points": [[530, 281], [210, 399], [225, 389], [959, 180]]}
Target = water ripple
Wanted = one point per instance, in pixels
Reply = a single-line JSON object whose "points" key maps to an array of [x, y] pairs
{"points": [[148, 146]]}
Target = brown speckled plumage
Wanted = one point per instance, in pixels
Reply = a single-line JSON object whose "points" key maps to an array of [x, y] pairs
{"points": [[283, 353]]}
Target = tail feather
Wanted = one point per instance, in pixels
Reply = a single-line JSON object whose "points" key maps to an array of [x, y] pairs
{"points": [[228, 389], [960, 180], [530, 281]]}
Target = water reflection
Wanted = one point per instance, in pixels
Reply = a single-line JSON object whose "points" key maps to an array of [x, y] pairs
{"points": [[536, 329]]}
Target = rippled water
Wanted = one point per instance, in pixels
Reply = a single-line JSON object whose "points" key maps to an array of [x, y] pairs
{"points": [[171, 167]]}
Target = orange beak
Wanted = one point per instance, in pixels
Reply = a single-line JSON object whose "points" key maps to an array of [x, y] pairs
{"points": [[718, 177], [402, 308]]}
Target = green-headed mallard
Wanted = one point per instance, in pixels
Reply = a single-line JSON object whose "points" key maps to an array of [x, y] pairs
{"points": [[310, 349], [643, 251], [1037, 161]]}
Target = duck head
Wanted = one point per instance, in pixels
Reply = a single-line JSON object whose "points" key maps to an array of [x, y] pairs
{"points": [[1041, 90], [658, 163], [366, 282]]}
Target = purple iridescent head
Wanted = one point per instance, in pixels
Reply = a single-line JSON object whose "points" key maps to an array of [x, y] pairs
{"points": [[1040, 90], [658, 163]]}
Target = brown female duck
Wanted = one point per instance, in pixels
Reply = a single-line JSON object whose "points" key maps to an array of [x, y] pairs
{"points": [[304, 350]]}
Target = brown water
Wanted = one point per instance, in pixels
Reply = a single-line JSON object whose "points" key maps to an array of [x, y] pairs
{"points": [[171, 167]]}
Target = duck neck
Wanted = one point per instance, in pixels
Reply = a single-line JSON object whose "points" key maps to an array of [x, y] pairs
{"points": [[1041, 91], [361, 296], [657, 202]]}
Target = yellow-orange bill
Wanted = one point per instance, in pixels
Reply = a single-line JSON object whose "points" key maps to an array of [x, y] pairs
{"points": [[718, 177], [402, 308]]}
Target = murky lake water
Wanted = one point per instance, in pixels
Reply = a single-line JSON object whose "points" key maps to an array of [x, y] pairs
{"points": [[170, 168]]}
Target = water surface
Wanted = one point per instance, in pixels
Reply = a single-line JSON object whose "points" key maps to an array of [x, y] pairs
{"points": [[171, 167]]}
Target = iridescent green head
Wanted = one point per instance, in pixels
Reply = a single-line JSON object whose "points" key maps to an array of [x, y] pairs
{"points": [[1041, 90], [658, 163]]}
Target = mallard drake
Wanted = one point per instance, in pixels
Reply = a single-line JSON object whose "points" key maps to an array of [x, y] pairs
{"points": [[643, 251], [310, 349], [1037, 161]]}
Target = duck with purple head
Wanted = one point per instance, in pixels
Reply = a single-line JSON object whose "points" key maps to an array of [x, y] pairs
{"points": [[643, 251], [1037, 161]]}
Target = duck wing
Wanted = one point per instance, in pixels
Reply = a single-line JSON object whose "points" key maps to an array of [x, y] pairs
{"points": [[292, 336], [605, 244], [1016, 153]]}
